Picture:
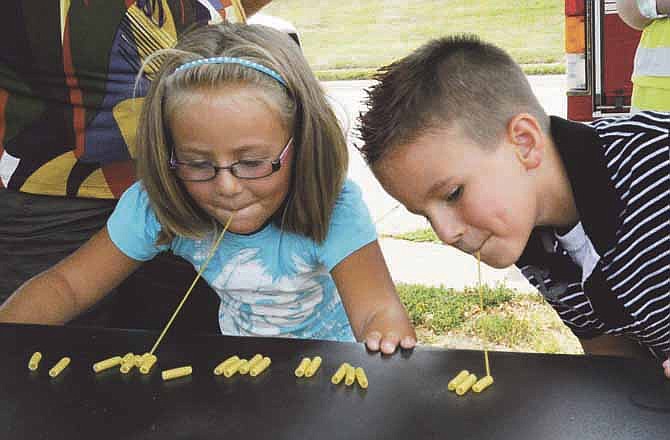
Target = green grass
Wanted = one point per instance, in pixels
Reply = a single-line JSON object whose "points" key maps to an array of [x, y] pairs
{"points": [[361, 36], [509, 320], [345, 74], [501, 329], [544, 69], [548, 344], [419, 236], [440, 310], [369, 73]]}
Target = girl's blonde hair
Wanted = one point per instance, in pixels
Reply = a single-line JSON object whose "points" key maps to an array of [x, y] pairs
{"points": [[320, 156]]}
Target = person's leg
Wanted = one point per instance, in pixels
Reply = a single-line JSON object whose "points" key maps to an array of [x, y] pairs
{"points": [[36, 232]]}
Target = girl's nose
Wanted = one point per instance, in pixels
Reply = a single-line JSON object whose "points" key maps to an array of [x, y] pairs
{"points": [[227, 184]]}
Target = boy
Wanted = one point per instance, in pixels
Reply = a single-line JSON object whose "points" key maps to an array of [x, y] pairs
{"points": [[454, 132]]}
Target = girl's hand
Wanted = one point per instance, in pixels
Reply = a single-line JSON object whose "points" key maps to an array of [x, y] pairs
{"points": [[666, 368], [375, 312], [388, 328], [387, 343]]}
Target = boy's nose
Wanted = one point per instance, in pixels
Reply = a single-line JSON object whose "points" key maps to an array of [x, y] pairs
{"points": [[448, 228]]}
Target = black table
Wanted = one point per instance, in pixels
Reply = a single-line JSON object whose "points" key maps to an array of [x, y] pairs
{"points": [[534, 397]]}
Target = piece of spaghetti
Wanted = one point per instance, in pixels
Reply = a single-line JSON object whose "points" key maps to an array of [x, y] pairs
{"points": [[481, 305], [188, 292]]}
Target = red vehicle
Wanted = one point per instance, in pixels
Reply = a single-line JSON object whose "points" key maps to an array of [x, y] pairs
{"points": [[600, 49]]}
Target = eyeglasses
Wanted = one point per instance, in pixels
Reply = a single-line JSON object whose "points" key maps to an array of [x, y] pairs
{"points": [[242, 169]]}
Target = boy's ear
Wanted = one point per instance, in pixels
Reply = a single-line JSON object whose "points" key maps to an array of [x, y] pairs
{"points": [[525, 134]]}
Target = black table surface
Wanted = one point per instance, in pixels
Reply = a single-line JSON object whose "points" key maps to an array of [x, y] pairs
{"points": [[535, 396]]}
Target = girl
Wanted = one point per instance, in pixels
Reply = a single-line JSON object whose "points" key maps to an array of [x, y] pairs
{"points": [[236, 127]]}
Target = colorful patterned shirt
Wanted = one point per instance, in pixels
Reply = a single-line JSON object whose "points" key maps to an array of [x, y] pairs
{"points": [[68, 103]]}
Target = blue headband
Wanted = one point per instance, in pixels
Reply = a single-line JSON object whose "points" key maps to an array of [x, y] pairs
{"points": [[233, 60]]}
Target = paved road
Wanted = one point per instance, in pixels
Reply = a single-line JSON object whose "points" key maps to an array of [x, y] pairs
{"points": [[425, 263]]}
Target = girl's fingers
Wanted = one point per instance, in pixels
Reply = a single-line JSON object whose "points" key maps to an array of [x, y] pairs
{"points": [[390, 343], [408, 342], [372, 340]]}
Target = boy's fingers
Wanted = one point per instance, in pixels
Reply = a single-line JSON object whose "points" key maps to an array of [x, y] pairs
{"points": [[666, 368], [372, 340], [390, 343]]}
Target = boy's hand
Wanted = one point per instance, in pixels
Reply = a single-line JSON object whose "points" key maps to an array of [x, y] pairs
{"points": [[388, 342], [666, 368]]}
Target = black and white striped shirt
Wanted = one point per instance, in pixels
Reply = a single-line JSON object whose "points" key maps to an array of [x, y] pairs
{"points": [[619, 169]]}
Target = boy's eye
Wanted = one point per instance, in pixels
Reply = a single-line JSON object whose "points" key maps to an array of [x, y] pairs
{"points": [[455, 194]]}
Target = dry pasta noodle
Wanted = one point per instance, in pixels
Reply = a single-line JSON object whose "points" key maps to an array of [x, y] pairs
{"points": [[107, 364], [148, 363], [34, 361], [350, 376], [464, 386], [59, 367], [339, 374], [218, 370], [260, 367], [456, 381], [361, 378], [176, 372], [300, 371], [243, 368], [313, 366], [254, 360], [230, 369], [482, 384], [127, 363]]}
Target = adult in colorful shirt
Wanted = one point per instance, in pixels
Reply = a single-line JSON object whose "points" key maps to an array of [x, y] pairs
{"points": [[68, 114], [651, 73]]}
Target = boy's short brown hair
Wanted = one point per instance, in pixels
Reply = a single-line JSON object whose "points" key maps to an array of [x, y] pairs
{"points": [[453, 79]]}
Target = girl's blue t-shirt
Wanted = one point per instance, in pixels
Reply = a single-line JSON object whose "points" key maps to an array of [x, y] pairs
{"points": [[271, 283]]}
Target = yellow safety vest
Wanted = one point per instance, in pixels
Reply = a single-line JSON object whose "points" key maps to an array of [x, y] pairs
{"points": [[651, 73]]}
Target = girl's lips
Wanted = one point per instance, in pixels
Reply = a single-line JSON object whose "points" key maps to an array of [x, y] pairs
{"points": [[230, 209]]}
